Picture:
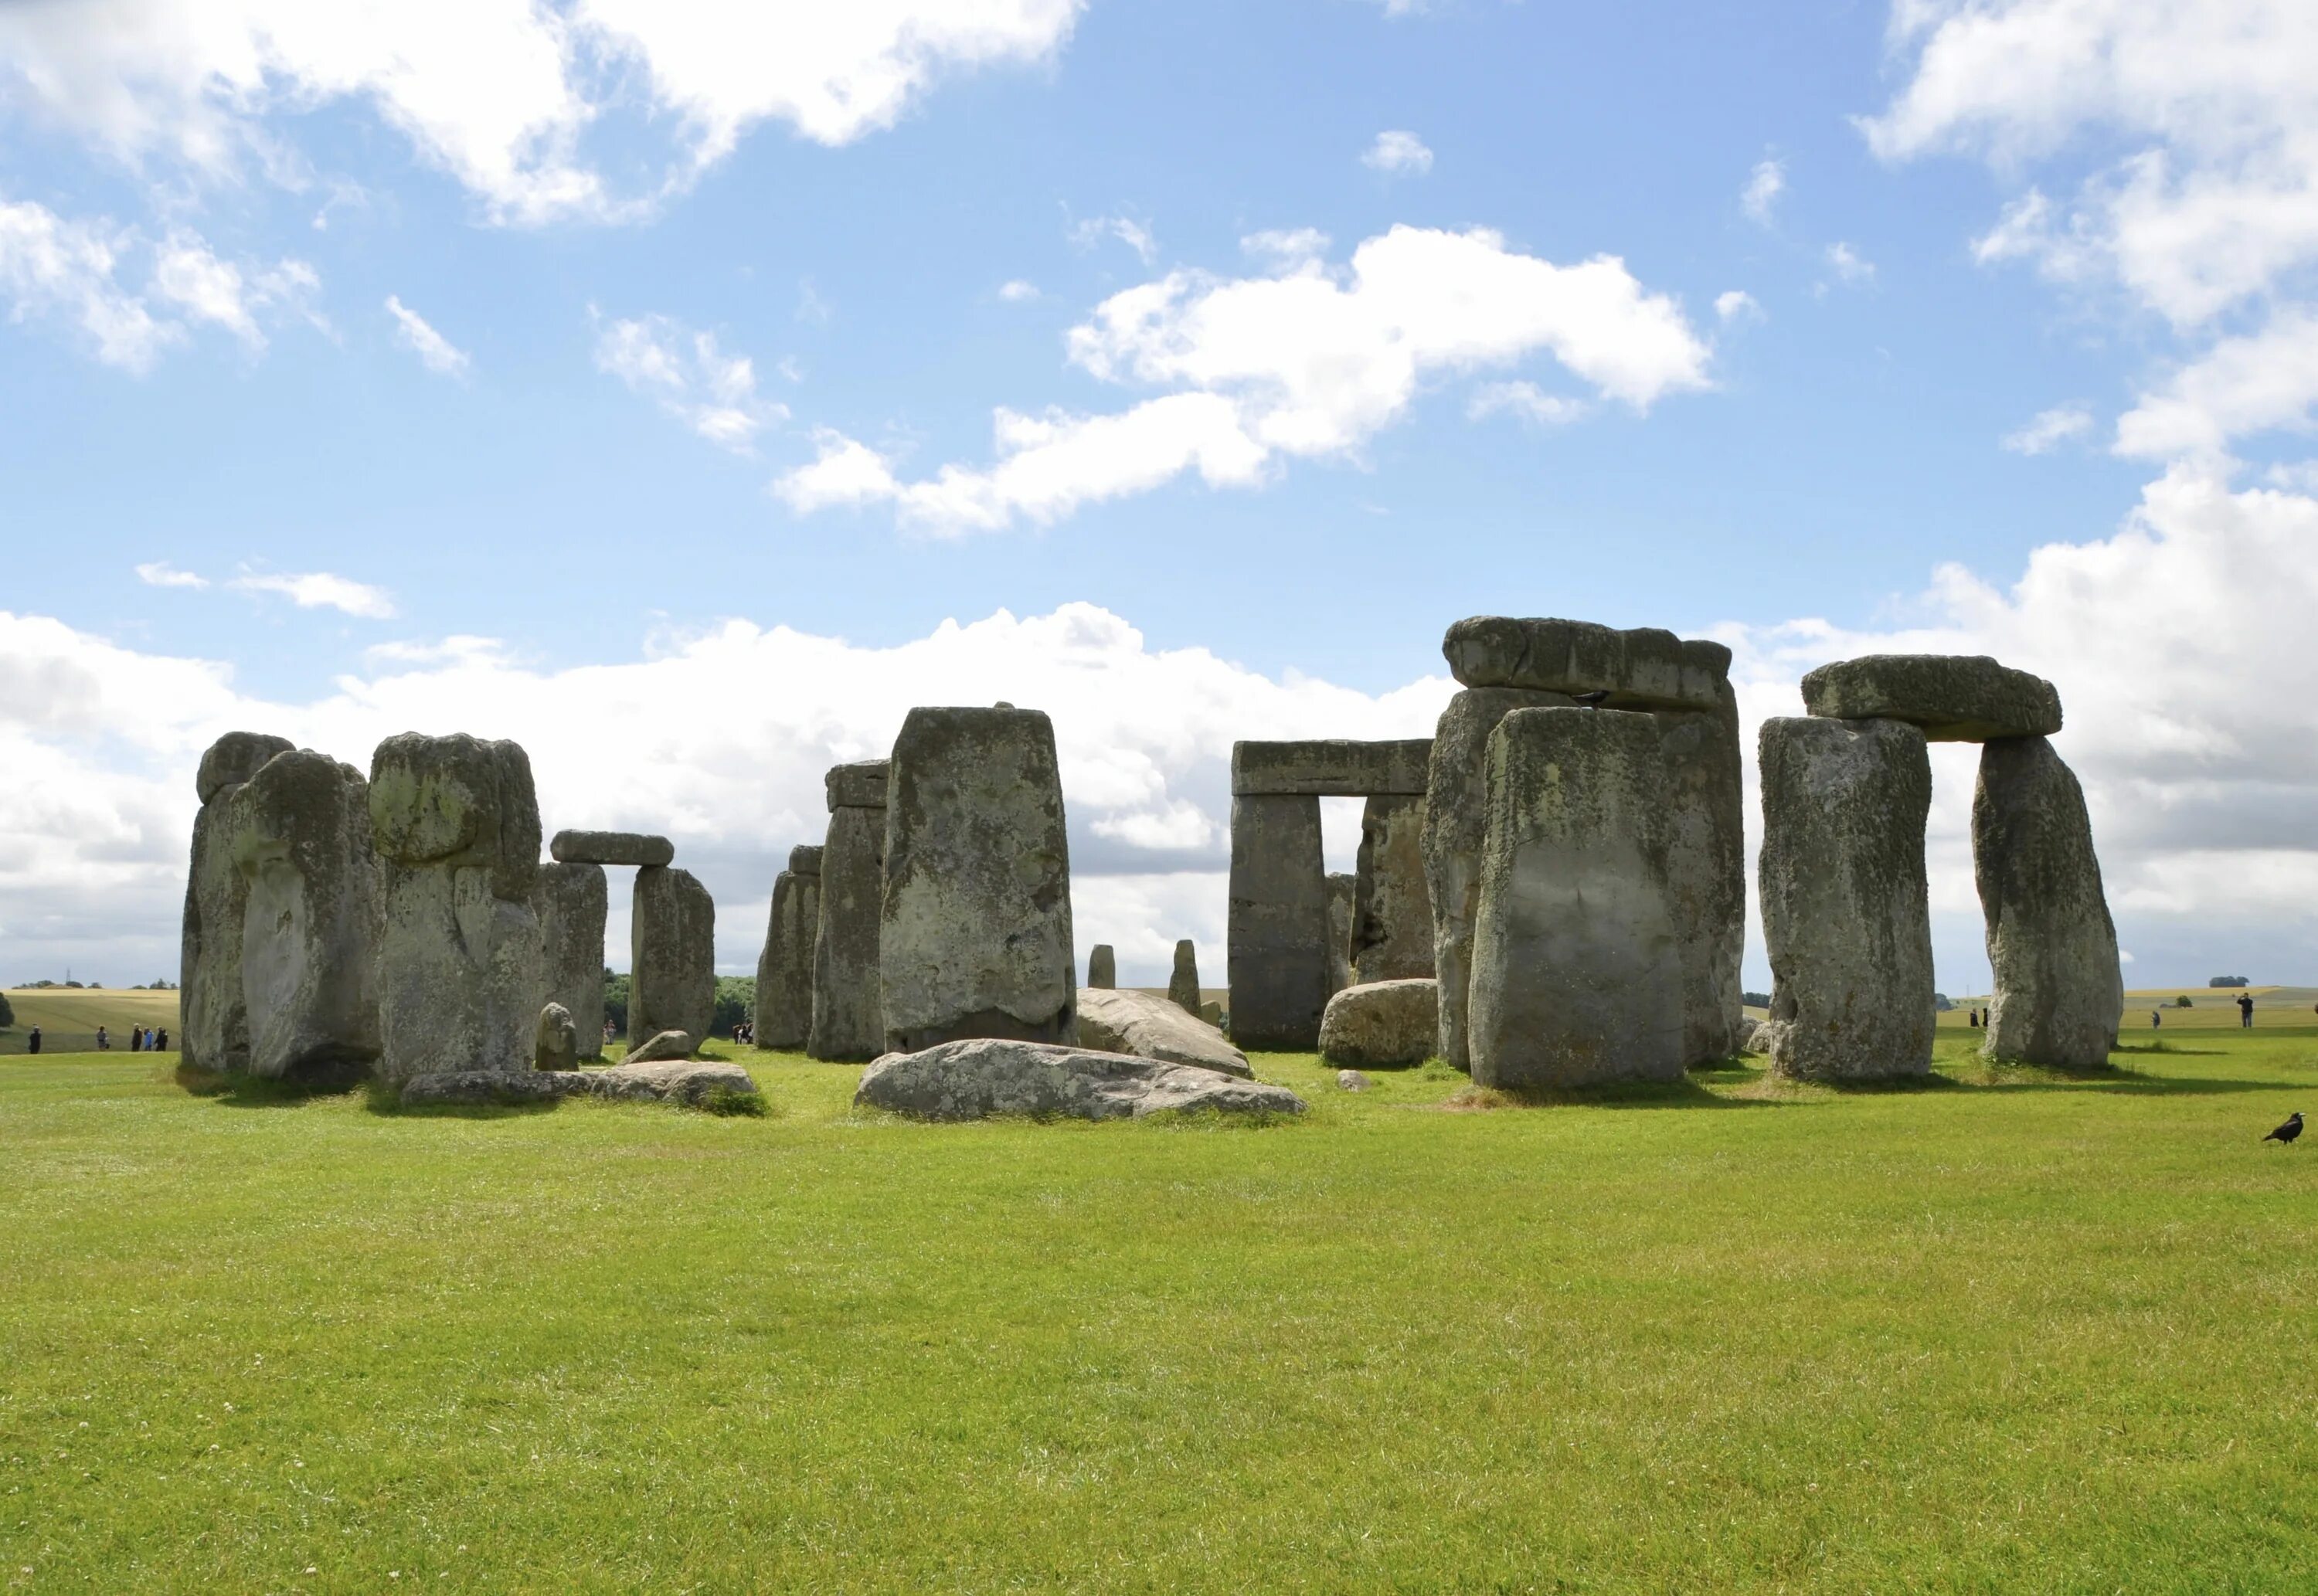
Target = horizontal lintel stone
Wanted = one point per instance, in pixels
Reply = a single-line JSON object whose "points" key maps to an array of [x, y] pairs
{"points": [[1331, 768], [610, 847], [1642, 668], [1954, 697]]}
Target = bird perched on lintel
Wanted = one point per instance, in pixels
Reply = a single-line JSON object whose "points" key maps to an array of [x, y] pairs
{"points": [[1593, 700], [2288, 1131]]}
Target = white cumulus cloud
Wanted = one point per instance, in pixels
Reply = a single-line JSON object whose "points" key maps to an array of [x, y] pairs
{"points": [[2048, 429], [1765, 185], [1737, 304], [1526, 400], [1397, 150], [320, 590], [161, 573], [1089, 232], [1849, 264], [689, 377], [415, 333]]}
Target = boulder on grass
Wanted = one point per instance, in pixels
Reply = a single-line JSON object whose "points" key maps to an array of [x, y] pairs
{"points": [[557, 1046], [663, 1044], [675, 1080], [1143, 1026], [984, 1077], [1382, 1023]]}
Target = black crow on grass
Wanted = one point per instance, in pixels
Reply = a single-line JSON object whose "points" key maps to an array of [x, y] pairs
{"points": [[2288, 1131]]}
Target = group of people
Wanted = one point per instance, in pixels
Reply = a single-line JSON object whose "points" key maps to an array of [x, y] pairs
{"points": [[746, 1031], [141, 1039], [1977, 1018]]}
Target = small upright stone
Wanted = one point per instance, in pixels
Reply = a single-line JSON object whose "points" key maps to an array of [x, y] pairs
{"points": [[1954, 697], [1102, 968], [2051, 943], [672, 955], [1343, 889], [556, 1045], [1183, 984], [610, 847], [573, 902], [846, 1019], [213, 1018]]}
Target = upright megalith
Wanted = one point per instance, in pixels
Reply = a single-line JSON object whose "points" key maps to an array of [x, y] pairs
{"points": [[975, 933], [1276, 958], [573, 902], [1392, 911], [2051, 943], [1846, 917], [212, 1019], [846, 1019], [455, 820], [1183, 984], [300, 840], [784, 1014], [1577, 976], [671, 956], [1102, 968], [1342, 888], [1706, 869]]}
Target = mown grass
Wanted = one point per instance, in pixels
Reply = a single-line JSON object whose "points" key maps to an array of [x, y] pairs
{"points": [[2013, 1333]]}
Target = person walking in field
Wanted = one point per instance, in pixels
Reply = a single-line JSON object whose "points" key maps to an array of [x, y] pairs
{"points": [[32, 1041], [2245, 1010], [2156, 1019], [104, 1042], [161, 1040]]}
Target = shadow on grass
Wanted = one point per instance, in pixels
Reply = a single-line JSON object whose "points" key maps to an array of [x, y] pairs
{"points": [[235, 1090], [1676, 1094]]}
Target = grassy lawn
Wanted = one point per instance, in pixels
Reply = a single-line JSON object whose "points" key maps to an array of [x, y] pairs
{"points": [[2002, 1333]]}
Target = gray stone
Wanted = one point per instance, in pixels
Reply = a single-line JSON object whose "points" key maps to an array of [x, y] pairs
{"points": [[1343, 889], [2059, 987], [1576, 975], [677, 1081], [1381, 1024], [300, 840], [1954, 697], [1392, 911], [557, 1043], [784, 1013], [1329, 767], [857, 785], [662, 1044], [975, 938], [981, 1077], [1183, 984], [1214, 1014], [1746, 1036], [671, 955], [213, 1018], [846, 1021], [572, 901], [455, 821], [673, 1081], [1706, 870], [1276, 944], [804, 859], [1643, 668], [1102, 966], [610, 847], [1456, 820], [1352, 1081], [1846, 919], [1147, 1025]]}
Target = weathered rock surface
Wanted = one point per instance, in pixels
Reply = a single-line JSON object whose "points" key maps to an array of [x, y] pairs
{"points": [[1352, 1080], [1747, 1036], [1392, 910], [1343, 889], [610, 847], [1102, 966], [1706, 869], [674, 1080], [975, 939], [677, 1083], [1213, 1013], [1381, 1024], [804, 859], [1183, 984], [2051, 943], [455, 821], [671, 955], [981, 1077], [557, 1043], [1576, 974], [1846, 919], [572, 901], [300, 839], [784, 1012], [1954, 697], [1329, 767], [858, 785], [213, 1018], [662, 1045], [846, 1020], [1643, 668], [1152, 1027], [1276, 943]]}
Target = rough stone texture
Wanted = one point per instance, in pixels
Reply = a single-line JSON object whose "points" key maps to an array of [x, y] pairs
{"points": [[1183, 983], [784, 1013], [1102, 966], [677, 1081], [1343, 889], [557, 1043], [1382, 1023], [662, 1044], [1214, 1014], [671, 955], [213, 1019], [1846, 921], [1456, 819], [1329, 767], [1276, 942], [1392, 910], [1706, 869], [846, 1021], [610, 847], [1576, 974], [572, 901], [2059, 987], [975, 939], [984, 1077], [301, 841], [1643, 668], [857, 785], [804, 859], [1152, 1027], [1747, 1034], [455, 821], [1954, 697], [1352, 1081]]}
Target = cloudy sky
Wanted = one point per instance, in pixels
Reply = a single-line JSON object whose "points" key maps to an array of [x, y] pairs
{"points": [[686, 389]]}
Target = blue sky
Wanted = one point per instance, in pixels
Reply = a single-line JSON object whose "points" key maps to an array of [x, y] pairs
{"points": [[526, 329]]}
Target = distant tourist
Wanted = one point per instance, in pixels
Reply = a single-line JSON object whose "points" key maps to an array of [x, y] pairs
{"points": [[2156, 1018], [32, 1042], [104, 1042], [2245, 1010], [136, 1039], [161, 1040]]}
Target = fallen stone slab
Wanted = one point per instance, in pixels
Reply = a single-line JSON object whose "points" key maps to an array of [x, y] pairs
{"points": [[1382, 1023], [1144, 1025], [610, 847], [662, 1044], [1330, 767], [1642, 668], [984, 1077], [1954, 697], [674, 1081]]}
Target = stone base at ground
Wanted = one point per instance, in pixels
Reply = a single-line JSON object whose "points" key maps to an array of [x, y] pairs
{"points": [[681, 1081], [1143, 1026], [984, 1078], [1382, 1023]]}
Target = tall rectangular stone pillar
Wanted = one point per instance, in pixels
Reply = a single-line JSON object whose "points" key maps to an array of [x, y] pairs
{"points": [[783, 1015], [671, 956], [573, 902], [1392, 909], [2051, 943], [1707, 870], [212, 1017], [1277, 957], [848, 1019]]}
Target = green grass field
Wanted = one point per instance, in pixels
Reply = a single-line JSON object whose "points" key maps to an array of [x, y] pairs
{"points": [[2006, 1332]]}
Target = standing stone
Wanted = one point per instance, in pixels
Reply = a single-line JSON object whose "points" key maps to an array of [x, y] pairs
{"points": [[1846, 917], [213, 1018], [1276, 952], [1455, 819], [975, 938], [671, 956], [455, 820], [1102, 968], [1342, 890], [1183, 985], [2059, 987], [1392, 911], [1706, 867], [847, 1023], [572, 901], [1576, 975], [300, 840], [556, 1045], [783, 1015]]}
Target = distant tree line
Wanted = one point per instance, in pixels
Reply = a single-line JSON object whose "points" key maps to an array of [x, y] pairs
{"points": [[2229, 981], [736, 1002]]}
